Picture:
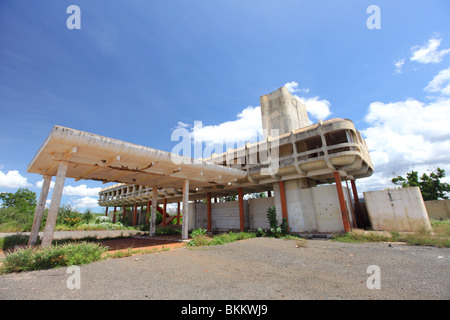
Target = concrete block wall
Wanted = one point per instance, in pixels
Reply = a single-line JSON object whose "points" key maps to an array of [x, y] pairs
{"points": [[397, 210], [438, 209], [224, 216], [314, 209], [258, 212]]}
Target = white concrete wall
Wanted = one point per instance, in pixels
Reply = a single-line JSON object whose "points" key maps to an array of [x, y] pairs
{"points": [[397, 210], [327, 208], [314, 209], [438, 209], [258, 212], [224, 215]]}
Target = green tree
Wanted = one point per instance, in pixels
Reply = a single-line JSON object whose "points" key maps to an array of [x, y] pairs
{"points": [[23, 199], [431, 186]]}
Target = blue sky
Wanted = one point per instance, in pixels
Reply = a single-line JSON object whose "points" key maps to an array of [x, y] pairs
{"points": [[136, 70]]}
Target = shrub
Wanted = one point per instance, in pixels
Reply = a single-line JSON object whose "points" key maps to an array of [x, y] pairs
{"points": [[197, 232], [72, 221], [27, 259], [272, 217]]}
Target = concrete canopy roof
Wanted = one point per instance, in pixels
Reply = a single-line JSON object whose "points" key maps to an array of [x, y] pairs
{"points": [[94, 157]]}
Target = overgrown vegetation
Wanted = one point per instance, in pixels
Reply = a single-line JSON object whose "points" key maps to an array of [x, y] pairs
{"points": [[439, 236], [200, 238], [275, 229], [28, 258]]}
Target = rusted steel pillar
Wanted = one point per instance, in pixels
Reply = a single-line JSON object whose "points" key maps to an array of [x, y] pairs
{"points": [[359, 216], [340, 192], [114, 215], [241, 209], [148, 210], [124, 213], [106, 212], [208, 210], [135, 214], [284, 211], [178, 213], [164, 211]]}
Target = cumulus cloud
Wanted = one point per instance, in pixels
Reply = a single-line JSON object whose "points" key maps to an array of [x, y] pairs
{"points": [[40, 183], [247, 127], [429, 52], [404, 136], [440, 83], [316, 107], [13, 179], [85, 202], [81, 190], [293, 87]]}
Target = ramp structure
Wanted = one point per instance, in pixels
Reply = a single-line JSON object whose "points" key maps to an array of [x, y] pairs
{"points": [[292, 161]]}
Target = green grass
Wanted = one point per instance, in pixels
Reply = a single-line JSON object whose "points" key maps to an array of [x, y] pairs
{"points": [[205, 240], [438, 237], [28, 259]]}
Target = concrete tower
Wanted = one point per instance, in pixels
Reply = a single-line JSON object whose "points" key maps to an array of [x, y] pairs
{"points": [[281, 110]]}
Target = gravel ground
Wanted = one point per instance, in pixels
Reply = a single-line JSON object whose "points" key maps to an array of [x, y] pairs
{"points": [[259, 268]]}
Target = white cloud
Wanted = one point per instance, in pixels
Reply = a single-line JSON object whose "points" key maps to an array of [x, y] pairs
{"points": [[404, 136], [319, 109], [81, 190], [246, 127], [85, 202], [440, 83], [429, 52], [13, 179], [398, 65], [293, 87], [40, 183]]}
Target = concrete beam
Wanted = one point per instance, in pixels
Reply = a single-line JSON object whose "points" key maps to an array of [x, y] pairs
{"points": [[153, 215]]}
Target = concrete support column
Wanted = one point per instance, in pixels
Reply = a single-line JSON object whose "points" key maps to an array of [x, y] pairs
{"points": [[241, 209], [185, 226], [39, 210], [153, 216], [208, 211], [54, 205], [284, 211], [340, 192]]}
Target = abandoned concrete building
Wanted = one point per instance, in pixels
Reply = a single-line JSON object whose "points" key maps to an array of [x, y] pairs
{"points": [[302, 167]]}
